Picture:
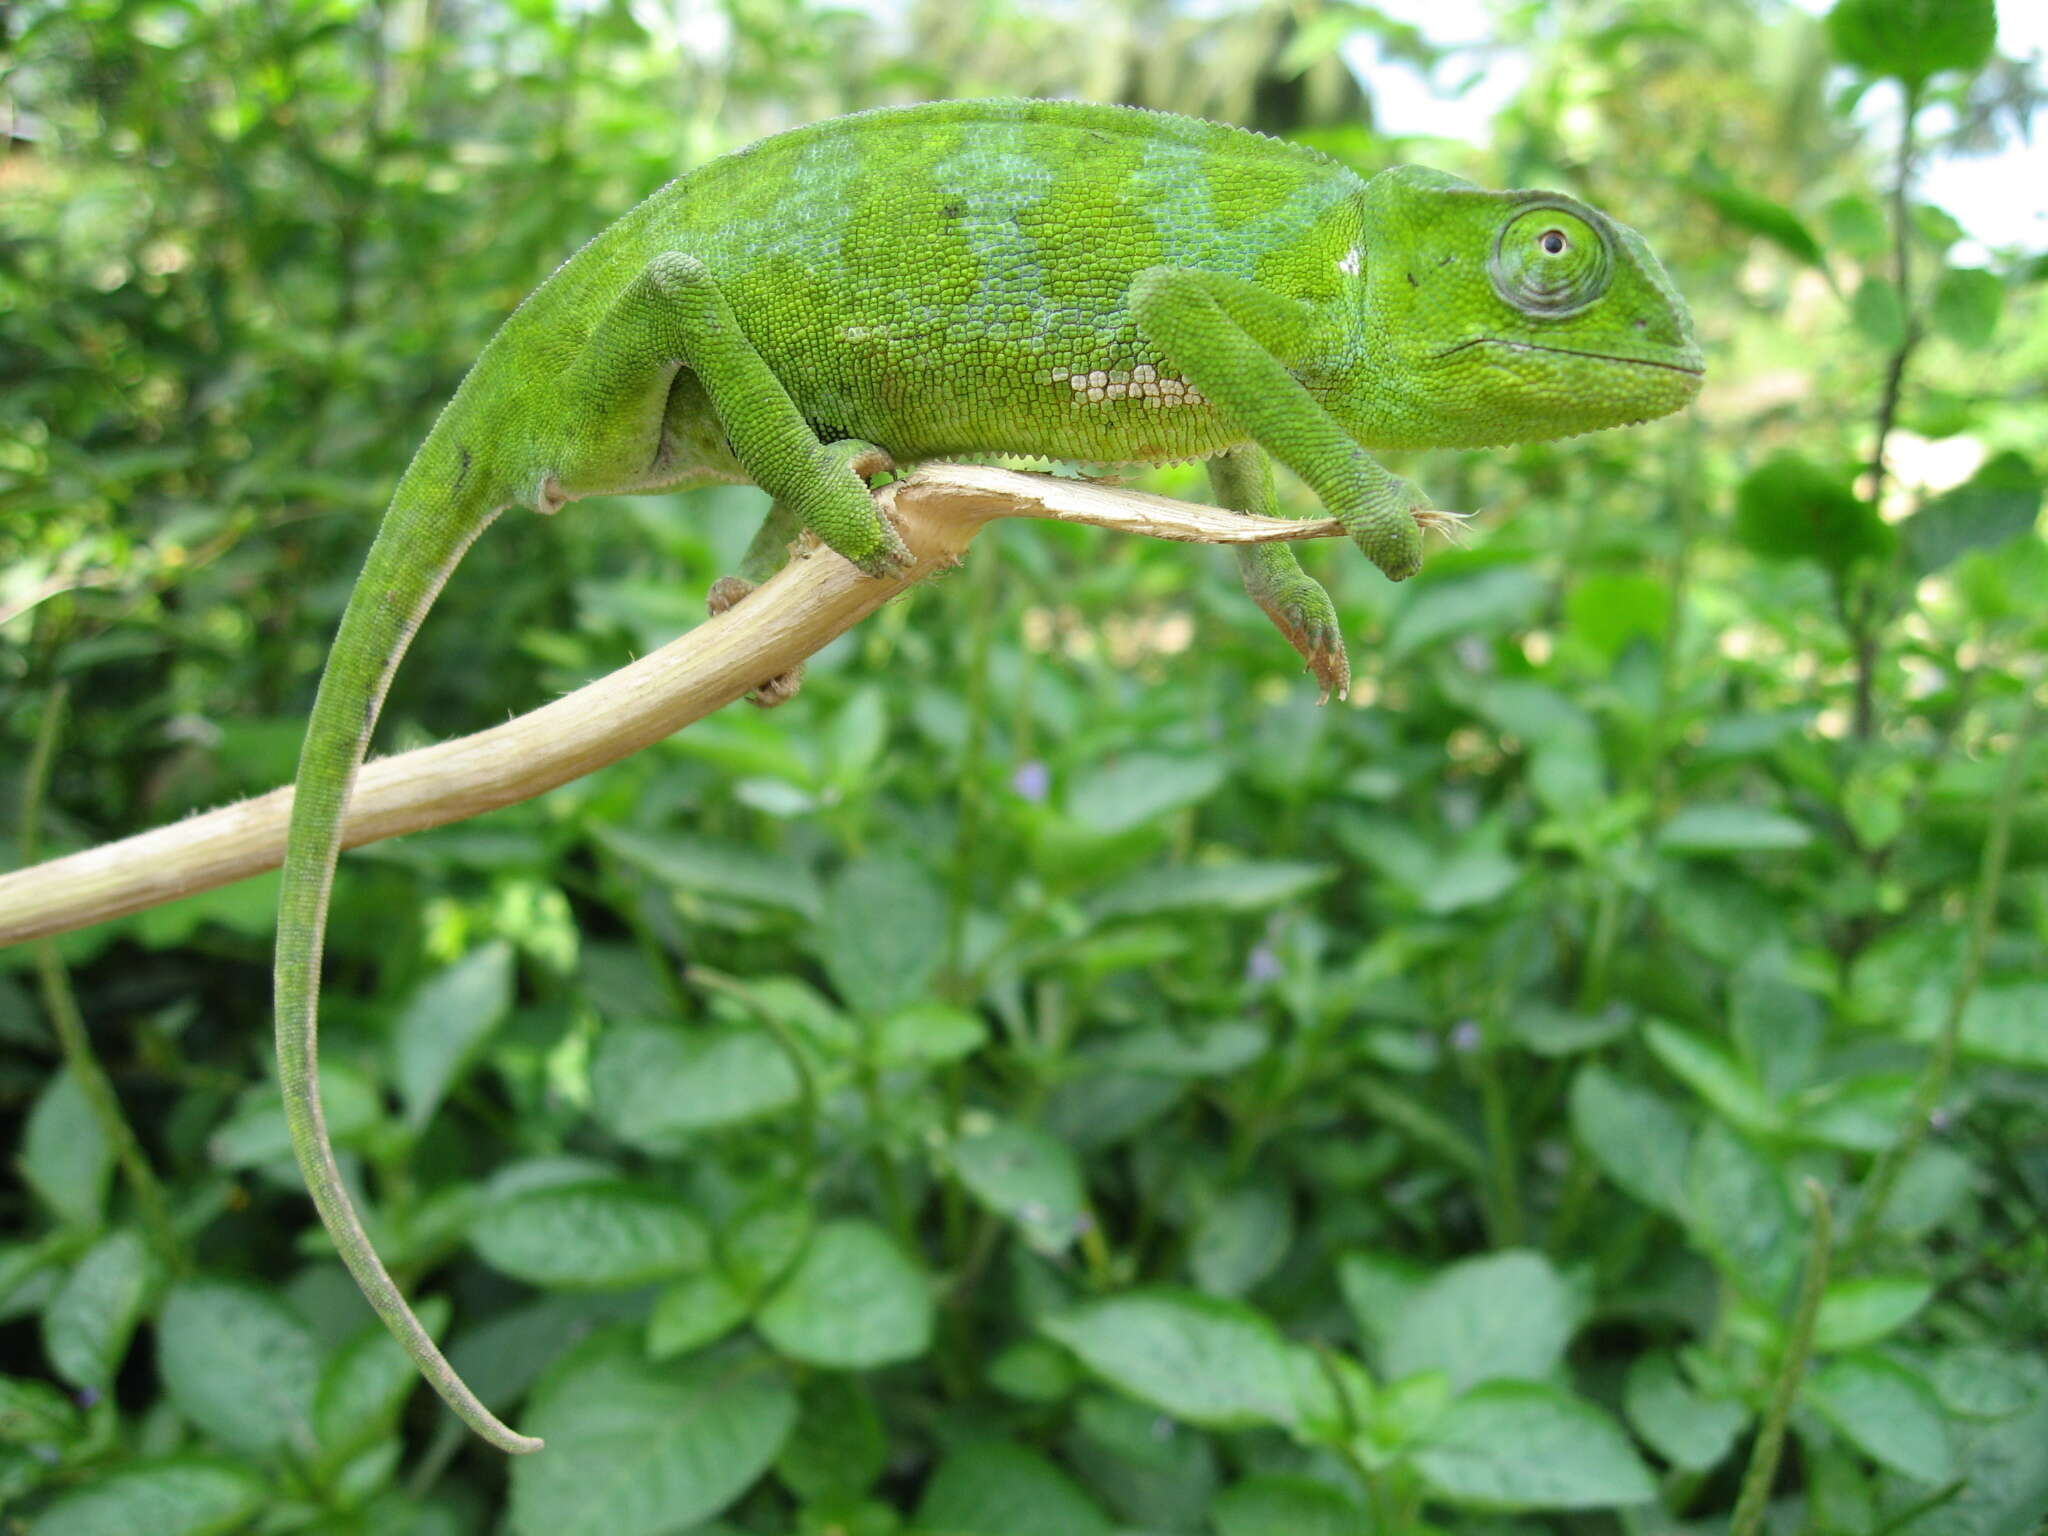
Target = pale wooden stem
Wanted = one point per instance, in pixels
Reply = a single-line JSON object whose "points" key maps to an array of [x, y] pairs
{"points": [[812, 601]]}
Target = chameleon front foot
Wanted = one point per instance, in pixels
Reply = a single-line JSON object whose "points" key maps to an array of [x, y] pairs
{"points": [[1387, 522], [868, 538], [779, 689]]}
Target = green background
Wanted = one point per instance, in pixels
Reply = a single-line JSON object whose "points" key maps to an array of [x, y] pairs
{"points": [[1051, 1078]]}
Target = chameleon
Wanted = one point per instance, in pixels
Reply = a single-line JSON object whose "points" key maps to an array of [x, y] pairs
{"points": [[1038, 279]]}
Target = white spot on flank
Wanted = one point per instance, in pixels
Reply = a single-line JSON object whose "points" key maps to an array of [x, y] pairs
{"points": [[1351, 264], [1144, 382]]}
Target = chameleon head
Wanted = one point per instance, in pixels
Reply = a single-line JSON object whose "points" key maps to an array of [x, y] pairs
{"points": [[1516, 316]]}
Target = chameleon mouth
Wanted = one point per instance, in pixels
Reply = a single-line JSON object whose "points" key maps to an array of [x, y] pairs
{"points": [[1688, 364]]}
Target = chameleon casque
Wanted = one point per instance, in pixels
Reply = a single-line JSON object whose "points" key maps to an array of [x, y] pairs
{"points": [[1033, 278]]}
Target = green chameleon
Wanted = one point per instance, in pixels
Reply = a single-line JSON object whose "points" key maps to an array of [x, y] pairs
{"points": [[1032, 278]]}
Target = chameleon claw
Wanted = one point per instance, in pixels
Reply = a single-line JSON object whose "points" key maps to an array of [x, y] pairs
{"points": [[1320, 642], [725, 593], [894, 557]]}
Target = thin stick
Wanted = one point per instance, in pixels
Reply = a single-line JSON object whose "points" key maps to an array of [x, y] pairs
{"points": [[813, 600], [69, 1023], [1770, 1441], [1941, 1061]]}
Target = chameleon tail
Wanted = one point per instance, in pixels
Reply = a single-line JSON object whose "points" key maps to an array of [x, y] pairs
{"points": [[419, 544]]}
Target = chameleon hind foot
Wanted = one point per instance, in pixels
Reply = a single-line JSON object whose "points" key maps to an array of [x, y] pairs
{"points": [[1308, 620], [779, 689]]}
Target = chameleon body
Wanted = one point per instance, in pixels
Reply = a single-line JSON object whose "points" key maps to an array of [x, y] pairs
{"points": [[968, 278]]}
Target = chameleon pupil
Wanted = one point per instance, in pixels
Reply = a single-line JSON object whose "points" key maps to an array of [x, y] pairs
{"points": [[1554, 242]]}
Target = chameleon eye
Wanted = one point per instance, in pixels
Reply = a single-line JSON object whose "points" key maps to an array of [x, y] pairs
{"points": [[1550, 262]]}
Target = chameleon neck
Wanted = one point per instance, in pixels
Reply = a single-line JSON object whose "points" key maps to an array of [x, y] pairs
{"points": [[422, 538]]}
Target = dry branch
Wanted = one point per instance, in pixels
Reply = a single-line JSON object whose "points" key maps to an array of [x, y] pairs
{"points": [[812, 601]]}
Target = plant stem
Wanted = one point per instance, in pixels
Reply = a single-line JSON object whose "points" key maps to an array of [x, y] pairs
{"points": [[1863, 629], [1770, 1441], [1505, 1202], [1941, 1062], [62, 1005]]}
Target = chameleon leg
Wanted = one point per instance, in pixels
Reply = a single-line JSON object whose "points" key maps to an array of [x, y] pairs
{"points": [[764, 557], [1295, 601], [674, 316], [1223, 334], [770, 551]]}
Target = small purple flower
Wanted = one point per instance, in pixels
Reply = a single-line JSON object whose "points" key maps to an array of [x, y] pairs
{"points": [[1032, 781], [1262, 965], [87, 1396], [1467, 1036], [1941, 1121]]}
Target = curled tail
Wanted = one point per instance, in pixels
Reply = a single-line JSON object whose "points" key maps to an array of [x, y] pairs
{"points": [[419, 544]]}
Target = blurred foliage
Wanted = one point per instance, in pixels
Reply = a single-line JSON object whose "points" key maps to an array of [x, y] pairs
{"points": [[1051, 1077]]}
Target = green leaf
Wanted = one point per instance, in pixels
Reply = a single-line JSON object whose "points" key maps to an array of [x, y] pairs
{"points": [[1486, 601], [655, 1085], [1723, 829], [35, 1414], [1738, 1211], [722, 871], [855, 1301], [1252, 886], [445, 1024], [1992, 508], [1862, 1311], [1688, 1429], [1609, 609], [364, 1387], [1034, 1371], [1547, 1030], [1777, 1024], [1715, 1076], [1889, 1413], [2001, 1023], [928, 1034], [1154, 1473], [636, 1449], [1966, 305], [1789, 508], [993, 1488], [1205, 1360], [1026, 1177], [1639, 1140], [1142, 787], [1500, 1316], [1912, 39], [840, 1446], [883, 933], [65, 1157], [1286, 1506], [592, 1234], [1214, 1049], [1985, 1381], [765, 1237], [239, 1365], [1758, 215], [697, 1310], [1240, 1238], [170, 1496], [88, 1323], [1521, 1445], [1377, 1288]]}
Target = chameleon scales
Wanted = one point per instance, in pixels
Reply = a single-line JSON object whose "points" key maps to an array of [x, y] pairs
{"points": [[1031, 278]]}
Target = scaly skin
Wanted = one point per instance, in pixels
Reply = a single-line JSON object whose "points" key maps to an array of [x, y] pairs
{"points": [[965, 278]]}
